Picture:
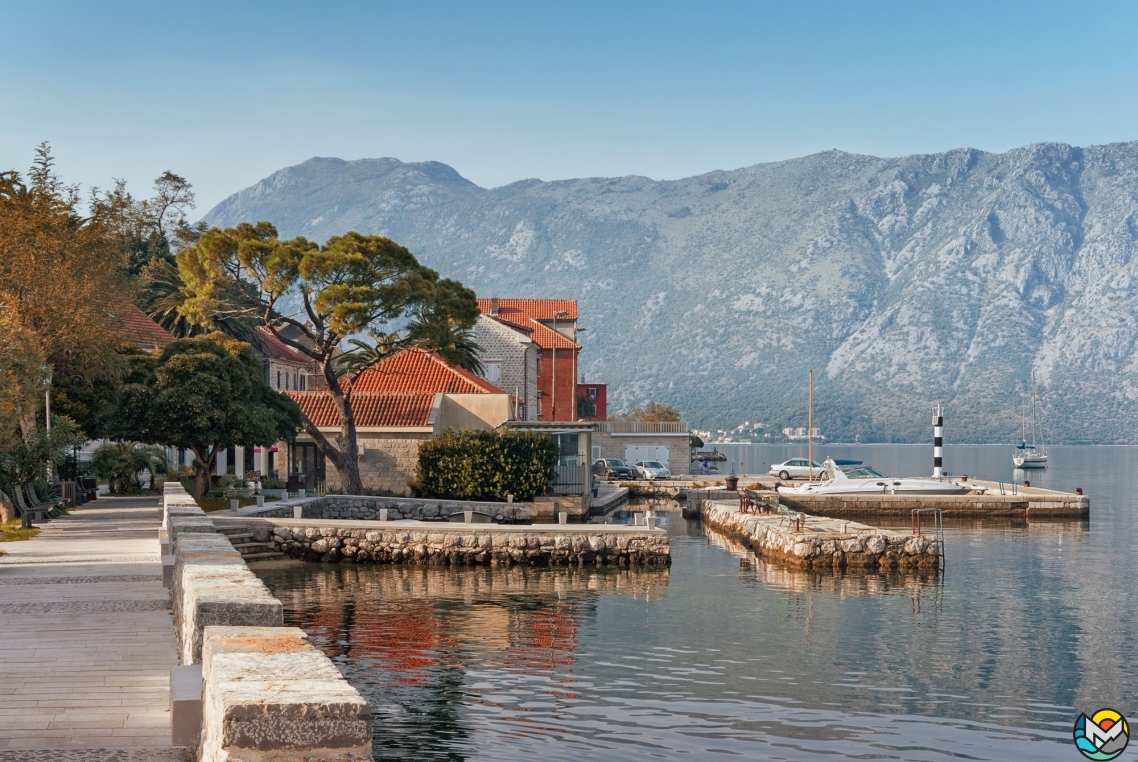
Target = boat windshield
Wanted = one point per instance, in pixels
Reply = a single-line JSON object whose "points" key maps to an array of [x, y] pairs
{"points": [[865, 472]]}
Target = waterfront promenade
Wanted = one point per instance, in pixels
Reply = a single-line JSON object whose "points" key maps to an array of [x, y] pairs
{"points": [[87, 639]]}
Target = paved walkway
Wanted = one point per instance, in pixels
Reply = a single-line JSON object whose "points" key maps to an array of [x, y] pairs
{"points": [[87, 639]]}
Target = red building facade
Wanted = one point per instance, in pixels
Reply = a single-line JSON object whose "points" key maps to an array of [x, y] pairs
{"points": [[592, 401]]}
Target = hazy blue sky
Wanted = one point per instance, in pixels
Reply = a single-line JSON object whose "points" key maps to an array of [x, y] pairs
{"points": [[225, 92]]}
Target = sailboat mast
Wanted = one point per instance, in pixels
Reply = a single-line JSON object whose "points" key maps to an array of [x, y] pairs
{"points": [[1034, 417], [810, 426]]}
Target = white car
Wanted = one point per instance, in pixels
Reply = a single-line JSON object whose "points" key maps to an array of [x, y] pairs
{"points": [[652, 469], [796, 468]]}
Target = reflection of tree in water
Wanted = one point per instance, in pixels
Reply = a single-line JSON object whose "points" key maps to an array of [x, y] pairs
{"points": [[409, 656]]}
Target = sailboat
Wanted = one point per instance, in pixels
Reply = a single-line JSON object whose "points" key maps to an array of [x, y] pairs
{"points": [[1033, 455]]}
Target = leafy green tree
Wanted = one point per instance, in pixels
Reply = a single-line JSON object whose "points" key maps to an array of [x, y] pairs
{"points": [[653, 411], [203, 394], [122, 464], [323, 295]]}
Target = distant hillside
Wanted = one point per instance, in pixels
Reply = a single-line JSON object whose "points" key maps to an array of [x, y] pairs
{"points": [[899, 281]]}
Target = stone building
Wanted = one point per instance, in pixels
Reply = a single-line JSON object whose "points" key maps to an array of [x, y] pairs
{"points": [[285, 369], [552, 325], [510, 359], [398, 403]]}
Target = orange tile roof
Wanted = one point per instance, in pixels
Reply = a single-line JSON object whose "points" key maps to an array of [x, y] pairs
{"points": [[517, 310], [136, 326], [278, 350], [547, 338], [394, 410], [417, 371]]}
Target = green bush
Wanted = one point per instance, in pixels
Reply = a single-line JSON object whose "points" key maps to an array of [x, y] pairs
{"points": [[486, 465]]}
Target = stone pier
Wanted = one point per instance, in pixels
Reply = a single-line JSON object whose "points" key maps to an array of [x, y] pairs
{"points": [[824, 543]]}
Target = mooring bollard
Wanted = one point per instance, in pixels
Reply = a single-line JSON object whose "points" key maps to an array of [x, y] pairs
{"points": [[298, 511], [234, 504], [260, 501], [509, 498], [468, 517], [562, 518], [383, 514], [637, 519], [300, 493], [650, 522]]}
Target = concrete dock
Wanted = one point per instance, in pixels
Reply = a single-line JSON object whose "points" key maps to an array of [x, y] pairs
{"points": [[1027, 502]]}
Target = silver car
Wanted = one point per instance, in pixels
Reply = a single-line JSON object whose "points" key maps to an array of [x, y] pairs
{"points": [[652, 469], [796, 468]]}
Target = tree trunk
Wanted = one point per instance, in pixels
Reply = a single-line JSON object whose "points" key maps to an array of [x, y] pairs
{"points": [[203, 466], [345, 454]]}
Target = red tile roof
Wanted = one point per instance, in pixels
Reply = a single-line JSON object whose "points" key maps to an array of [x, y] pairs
{"points": [[547, 338], [517, 310], [393, 410], [278, 350], [135, 326], [417, 371]]}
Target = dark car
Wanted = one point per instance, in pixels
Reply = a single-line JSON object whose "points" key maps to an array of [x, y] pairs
{"points": [[612, 469]]}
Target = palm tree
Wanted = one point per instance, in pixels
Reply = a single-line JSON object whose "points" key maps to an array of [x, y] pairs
{"points": [[122, 464]]}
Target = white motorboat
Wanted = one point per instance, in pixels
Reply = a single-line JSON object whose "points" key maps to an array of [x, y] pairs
{"points": [[1030, 455], [865, 480]]}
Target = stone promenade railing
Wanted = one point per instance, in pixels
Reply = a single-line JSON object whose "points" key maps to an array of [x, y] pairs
{"points": [[229, 698], [372, 508]]}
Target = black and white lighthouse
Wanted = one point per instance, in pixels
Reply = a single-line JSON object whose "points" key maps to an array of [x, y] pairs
{"points": [[938, 443]]}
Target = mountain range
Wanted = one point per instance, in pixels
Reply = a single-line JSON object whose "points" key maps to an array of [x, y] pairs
{"points": [[901, 282]]}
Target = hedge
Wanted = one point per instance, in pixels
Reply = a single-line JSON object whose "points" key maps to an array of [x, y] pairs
{"points": [[486, 465]]}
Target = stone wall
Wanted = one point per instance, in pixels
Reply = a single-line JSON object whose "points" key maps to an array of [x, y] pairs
{"points": [[468, 544], [387, 462], [228, 621], [829, 546]]}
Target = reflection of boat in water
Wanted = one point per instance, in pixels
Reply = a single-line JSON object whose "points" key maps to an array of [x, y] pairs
{"points": [[1030, 456], [865, 480]]}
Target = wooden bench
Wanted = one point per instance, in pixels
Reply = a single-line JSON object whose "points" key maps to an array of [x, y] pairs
{"points": [[791, 516], [756, 501]]}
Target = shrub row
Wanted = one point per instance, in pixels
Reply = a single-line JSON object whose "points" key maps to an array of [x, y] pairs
{"points": [[487, 465]]}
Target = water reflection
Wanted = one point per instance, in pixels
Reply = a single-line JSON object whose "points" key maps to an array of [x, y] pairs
{"points": [[988, 660]]}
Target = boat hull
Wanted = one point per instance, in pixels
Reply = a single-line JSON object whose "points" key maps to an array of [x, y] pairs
{"points": [[1026, 463]]}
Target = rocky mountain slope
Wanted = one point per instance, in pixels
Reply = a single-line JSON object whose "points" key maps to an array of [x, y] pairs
{"points": [[899, 281]]}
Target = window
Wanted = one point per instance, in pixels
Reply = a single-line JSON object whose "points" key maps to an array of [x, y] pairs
{"points": [[278, 379], [286, 382], [592, 393], [303, 383], [493, 372]]}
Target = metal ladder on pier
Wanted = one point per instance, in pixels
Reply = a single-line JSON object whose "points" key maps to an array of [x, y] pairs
{"points": [[921, 526]]}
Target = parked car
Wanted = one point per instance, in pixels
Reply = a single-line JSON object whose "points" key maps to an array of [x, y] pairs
{"points": [[612, 468], [652, 469], [796, 468]]}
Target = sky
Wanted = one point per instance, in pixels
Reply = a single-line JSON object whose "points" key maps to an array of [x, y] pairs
{"points": [[225, 93]]}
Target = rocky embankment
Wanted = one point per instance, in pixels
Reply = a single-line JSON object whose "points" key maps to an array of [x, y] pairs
{"points": [[535, 545]]}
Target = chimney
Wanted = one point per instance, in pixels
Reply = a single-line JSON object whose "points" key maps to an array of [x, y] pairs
{"points": [[493, 306]]}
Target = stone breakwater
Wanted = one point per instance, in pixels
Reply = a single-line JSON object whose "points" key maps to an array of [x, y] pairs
{"points": [[466, 544], [1027, 502], [229, 698], [824, 543]]}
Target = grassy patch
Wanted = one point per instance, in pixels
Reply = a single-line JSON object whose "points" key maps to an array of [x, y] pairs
{"points": [[12, 531], [222, 503]]}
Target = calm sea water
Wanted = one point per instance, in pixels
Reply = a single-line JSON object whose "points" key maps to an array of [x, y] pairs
{"points": [[1030, 623]]}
